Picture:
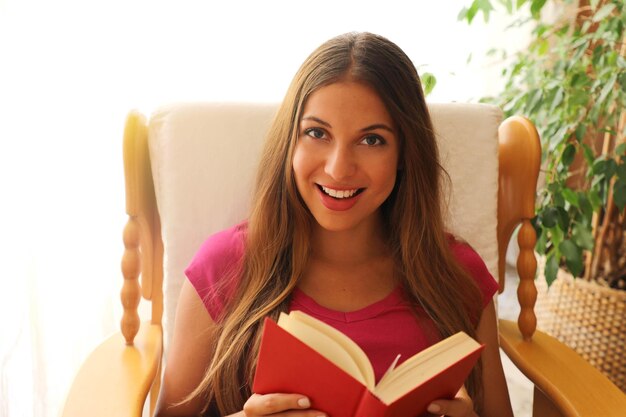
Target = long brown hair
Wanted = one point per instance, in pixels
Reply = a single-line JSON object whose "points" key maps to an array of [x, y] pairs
{"points": [[279, 224]]}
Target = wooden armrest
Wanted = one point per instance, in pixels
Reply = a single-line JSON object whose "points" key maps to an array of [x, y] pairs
{"points": [[574, 387], [116, 377]]}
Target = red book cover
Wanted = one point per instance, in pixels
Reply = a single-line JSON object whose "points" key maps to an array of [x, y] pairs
{"points": [[443, 385], [287, 365]]}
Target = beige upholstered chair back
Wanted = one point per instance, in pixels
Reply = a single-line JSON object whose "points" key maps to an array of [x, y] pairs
{"points": [[204, 159]]}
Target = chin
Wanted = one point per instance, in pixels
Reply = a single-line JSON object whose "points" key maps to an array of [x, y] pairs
{"points": [[335, 226]]}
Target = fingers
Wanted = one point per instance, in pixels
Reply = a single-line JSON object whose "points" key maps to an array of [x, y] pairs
{"points": [[453, 408], [262, 405], [461, 406]]}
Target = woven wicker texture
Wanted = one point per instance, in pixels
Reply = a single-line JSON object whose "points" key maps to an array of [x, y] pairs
{"points": [[589, 318]]}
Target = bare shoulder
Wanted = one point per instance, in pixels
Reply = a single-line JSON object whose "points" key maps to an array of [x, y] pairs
{"points": [[188, 356]]}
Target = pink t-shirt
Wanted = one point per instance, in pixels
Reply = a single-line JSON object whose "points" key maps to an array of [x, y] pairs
{"points": [[383, 330]]}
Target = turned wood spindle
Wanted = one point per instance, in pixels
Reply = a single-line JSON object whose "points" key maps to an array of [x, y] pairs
{"points": [[526, 268], [131, 290]]}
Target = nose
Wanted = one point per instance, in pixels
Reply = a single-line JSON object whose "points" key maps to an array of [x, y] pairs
{"points": [[341, 163]]}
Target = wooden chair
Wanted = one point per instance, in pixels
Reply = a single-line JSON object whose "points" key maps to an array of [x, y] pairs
{"points": [[189, 171]]}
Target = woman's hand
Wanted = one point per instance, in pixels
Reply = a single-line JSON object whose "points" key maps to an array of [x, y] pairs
{"points": [[291, 405], [460, 406]]}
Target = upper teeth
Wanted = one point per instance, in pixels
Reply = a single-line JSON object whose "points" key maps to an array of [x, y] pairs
{"points": [[339, 193]]}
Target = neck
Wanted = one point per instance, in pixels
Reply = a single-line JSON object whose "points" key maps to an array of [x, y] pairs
{"points": [[353, 246]]}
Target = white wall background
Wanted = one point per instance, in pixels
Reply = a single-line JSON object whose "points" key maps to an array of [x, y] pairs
{"points": [[69, 73]]}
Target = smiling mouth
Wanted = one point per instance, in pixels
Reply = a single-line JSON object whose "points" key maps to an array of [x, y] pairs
{"points": [[340, 194]]}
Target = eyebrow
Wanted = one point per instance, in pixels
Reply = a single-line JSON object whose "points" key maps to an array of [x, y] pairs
{"points": [[365, 129]]}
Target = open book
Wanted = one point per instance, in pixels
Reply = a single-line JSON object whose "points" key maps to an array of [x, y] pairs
{"points": [[303, 355]]}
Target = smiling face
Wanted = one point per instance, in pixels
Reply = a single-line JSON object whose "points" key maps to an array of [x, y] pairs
{"points": [[346, 157]]}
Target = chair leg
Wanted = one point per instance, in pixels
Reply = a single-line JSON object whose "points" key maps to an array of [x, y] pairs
{"points": [[543, 407]]}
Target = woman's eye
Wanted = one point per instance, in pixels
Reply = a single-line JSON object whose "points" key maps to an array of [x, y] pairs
{"points": [[315, 133], [373, 140]]}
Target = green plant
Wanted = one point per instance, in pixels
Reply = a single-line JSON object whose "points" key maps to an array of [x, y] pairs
{"points": [[571, 82]]}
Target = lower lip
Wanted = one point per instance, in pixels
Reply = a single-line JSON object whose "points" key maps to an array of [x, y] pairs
{"points": [[338, 205]]}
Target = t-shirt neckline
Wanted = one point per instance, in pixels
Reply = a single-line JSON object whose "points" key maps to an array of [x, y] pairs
{"points": [[301, 299]]}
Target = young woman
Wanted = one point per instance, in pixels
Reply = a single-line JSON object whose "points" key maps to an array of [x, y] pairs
{"points": [[346, 225]]}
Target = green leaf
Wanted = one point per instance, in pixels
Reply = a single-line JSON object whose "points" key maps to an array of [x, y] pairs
{"points": [[468, 14], [580, 43], [573, 256], [558, 136], [533, 101], [570, 196], [542, 240], [485, 7], [543, 47], [549, 217], [594, 199], [510, 104], [575, 266], [606, 89], [559, 201], [621, 149], [599, 166], [619, 195], [604, 11], [463, 15], [611, 58], [621, 172], [580, 132], [535, 8], [568, 155], [581, 234], [492, 52], [622, 80], [610, 168], [429, 81], [520, 3], [579, 54], [508, 4], [556, 236], [579, 97], [563, 30], [552, 267], [568, 249], [585, 205], [471, 12], [558, 99], [597, 56], [563, 218], [554, 188], [599, 181], [589, 155]]}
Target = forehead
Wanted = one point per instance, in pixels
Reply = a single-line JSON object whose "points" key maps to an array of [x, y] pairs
{"points": [[347, 102]]}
